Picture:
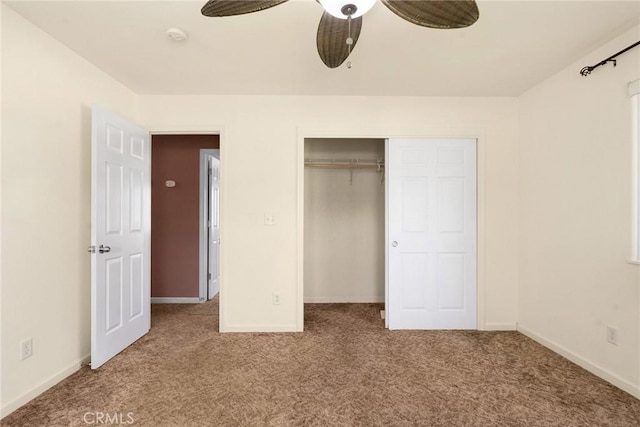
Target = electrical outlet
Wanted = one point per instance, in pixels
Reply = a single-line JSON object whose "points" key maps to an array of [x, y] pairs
{"points": [[269, 219], [26, 348], [276, 299], [612, 335]]}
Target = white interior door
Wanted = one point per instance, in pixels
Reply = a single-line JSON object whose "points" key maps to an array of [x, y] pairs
{"points": [[431, 234], [214, 227], [120, 235]]}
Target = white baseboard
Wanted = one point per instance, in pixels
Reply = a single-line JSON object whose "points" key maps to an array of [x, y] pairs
{"points": [[176, 300], [347, 299], [260, 328], [42, 387], [500, 327], [606, 375]]}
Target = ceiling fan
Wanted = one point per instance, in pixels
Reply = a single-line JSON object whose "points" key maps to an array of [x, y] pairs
{"points": [[341, 21]]}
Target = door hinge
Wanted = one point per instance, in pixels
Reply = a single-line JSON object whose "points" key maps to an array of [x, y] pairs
{"points": [[209, 276]]}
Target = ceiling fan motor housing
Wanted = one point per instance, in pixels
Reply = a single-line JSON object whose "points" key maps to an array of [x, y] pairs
{"points": [[349, 9], [340, 8]]}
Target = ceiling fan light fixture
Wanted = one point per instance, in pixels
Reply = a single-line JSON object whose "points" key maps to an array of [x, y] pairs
{"points": [[338, 8], [341, 21]]}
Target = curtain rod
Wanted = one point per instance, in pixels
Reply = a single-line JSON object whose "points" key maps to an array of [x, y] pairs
{"points": [[588, 69]]}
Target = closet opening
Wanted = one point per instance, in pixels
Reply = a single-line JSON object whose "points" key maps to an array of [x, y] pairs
{"points": [[344, 221], [414, 240]]}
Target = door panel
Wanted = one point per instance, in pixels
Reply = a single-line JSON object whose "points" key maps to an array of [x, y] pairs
{"points": [[415, 192], [451, 208], [136, 200], [113, 199], [431, 234], [136, 263], [451, 281], [414, 275], [120, 222], [113, 298]]}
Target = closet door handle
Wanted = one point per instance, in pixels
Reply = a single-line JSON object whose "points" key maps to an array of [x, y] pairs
{"points": [[394, 244]]}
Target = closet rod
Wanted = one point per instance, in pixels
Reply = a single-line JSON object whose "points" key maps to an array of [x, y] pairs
{"points": [[343, 166]]}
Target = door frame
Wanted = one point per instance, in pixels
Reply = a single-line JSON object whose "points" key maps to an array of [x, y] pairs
{"points": [[222, 134], [203, 253], [479, 134]]}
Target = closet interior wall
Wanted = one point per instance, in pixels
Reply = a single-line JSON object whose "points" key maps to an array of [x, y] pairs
{"points": [[343, 222]]}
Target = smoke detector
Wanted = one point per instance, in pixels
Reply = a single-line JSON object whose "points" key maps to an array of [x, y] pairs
{"points": [[176, 34]]}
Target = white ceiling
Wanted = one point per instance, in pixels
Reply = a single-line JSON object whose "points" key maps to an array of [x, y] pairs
{"points": [[513, 46]]}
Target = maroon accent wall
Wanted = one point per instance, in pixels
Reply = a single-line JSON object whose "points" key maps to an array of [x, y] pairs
{"points": [[175, 213]]}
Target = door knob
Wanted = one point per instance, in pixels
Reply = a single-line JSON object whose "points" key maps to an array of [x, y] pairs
{"points": [[394, 244], [104, 249]]}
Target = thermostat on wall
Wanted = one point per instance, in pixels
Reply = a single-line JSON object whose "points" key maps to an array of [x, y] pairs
{"points": [[170, 183]]}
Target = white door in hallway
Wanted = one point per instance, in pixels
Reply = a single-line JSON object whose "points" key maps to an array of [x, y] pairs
{"points": [[431, 241], [120, 235], [214, 227]]}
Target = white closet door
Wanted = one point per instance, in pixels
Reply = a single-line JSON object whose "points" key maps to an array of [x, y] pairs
{"points": [[120, 234], [431, 234]]}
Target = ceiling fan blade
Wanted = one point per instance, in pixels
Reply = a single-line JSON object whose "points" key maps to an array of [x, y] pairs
{"points": [[236, 7], [332, 39], [436, 13]]}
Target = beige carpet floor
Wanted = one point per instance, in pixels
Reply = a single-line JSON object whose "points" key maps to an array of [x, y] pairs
{"points": [[344, 370]]}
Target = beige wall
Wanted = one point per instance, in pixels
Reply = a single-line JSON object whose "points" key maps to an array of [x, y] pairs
{"points": [[571, 178], [575, 215], [46, 143], [260, 144], [344, 224]]}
